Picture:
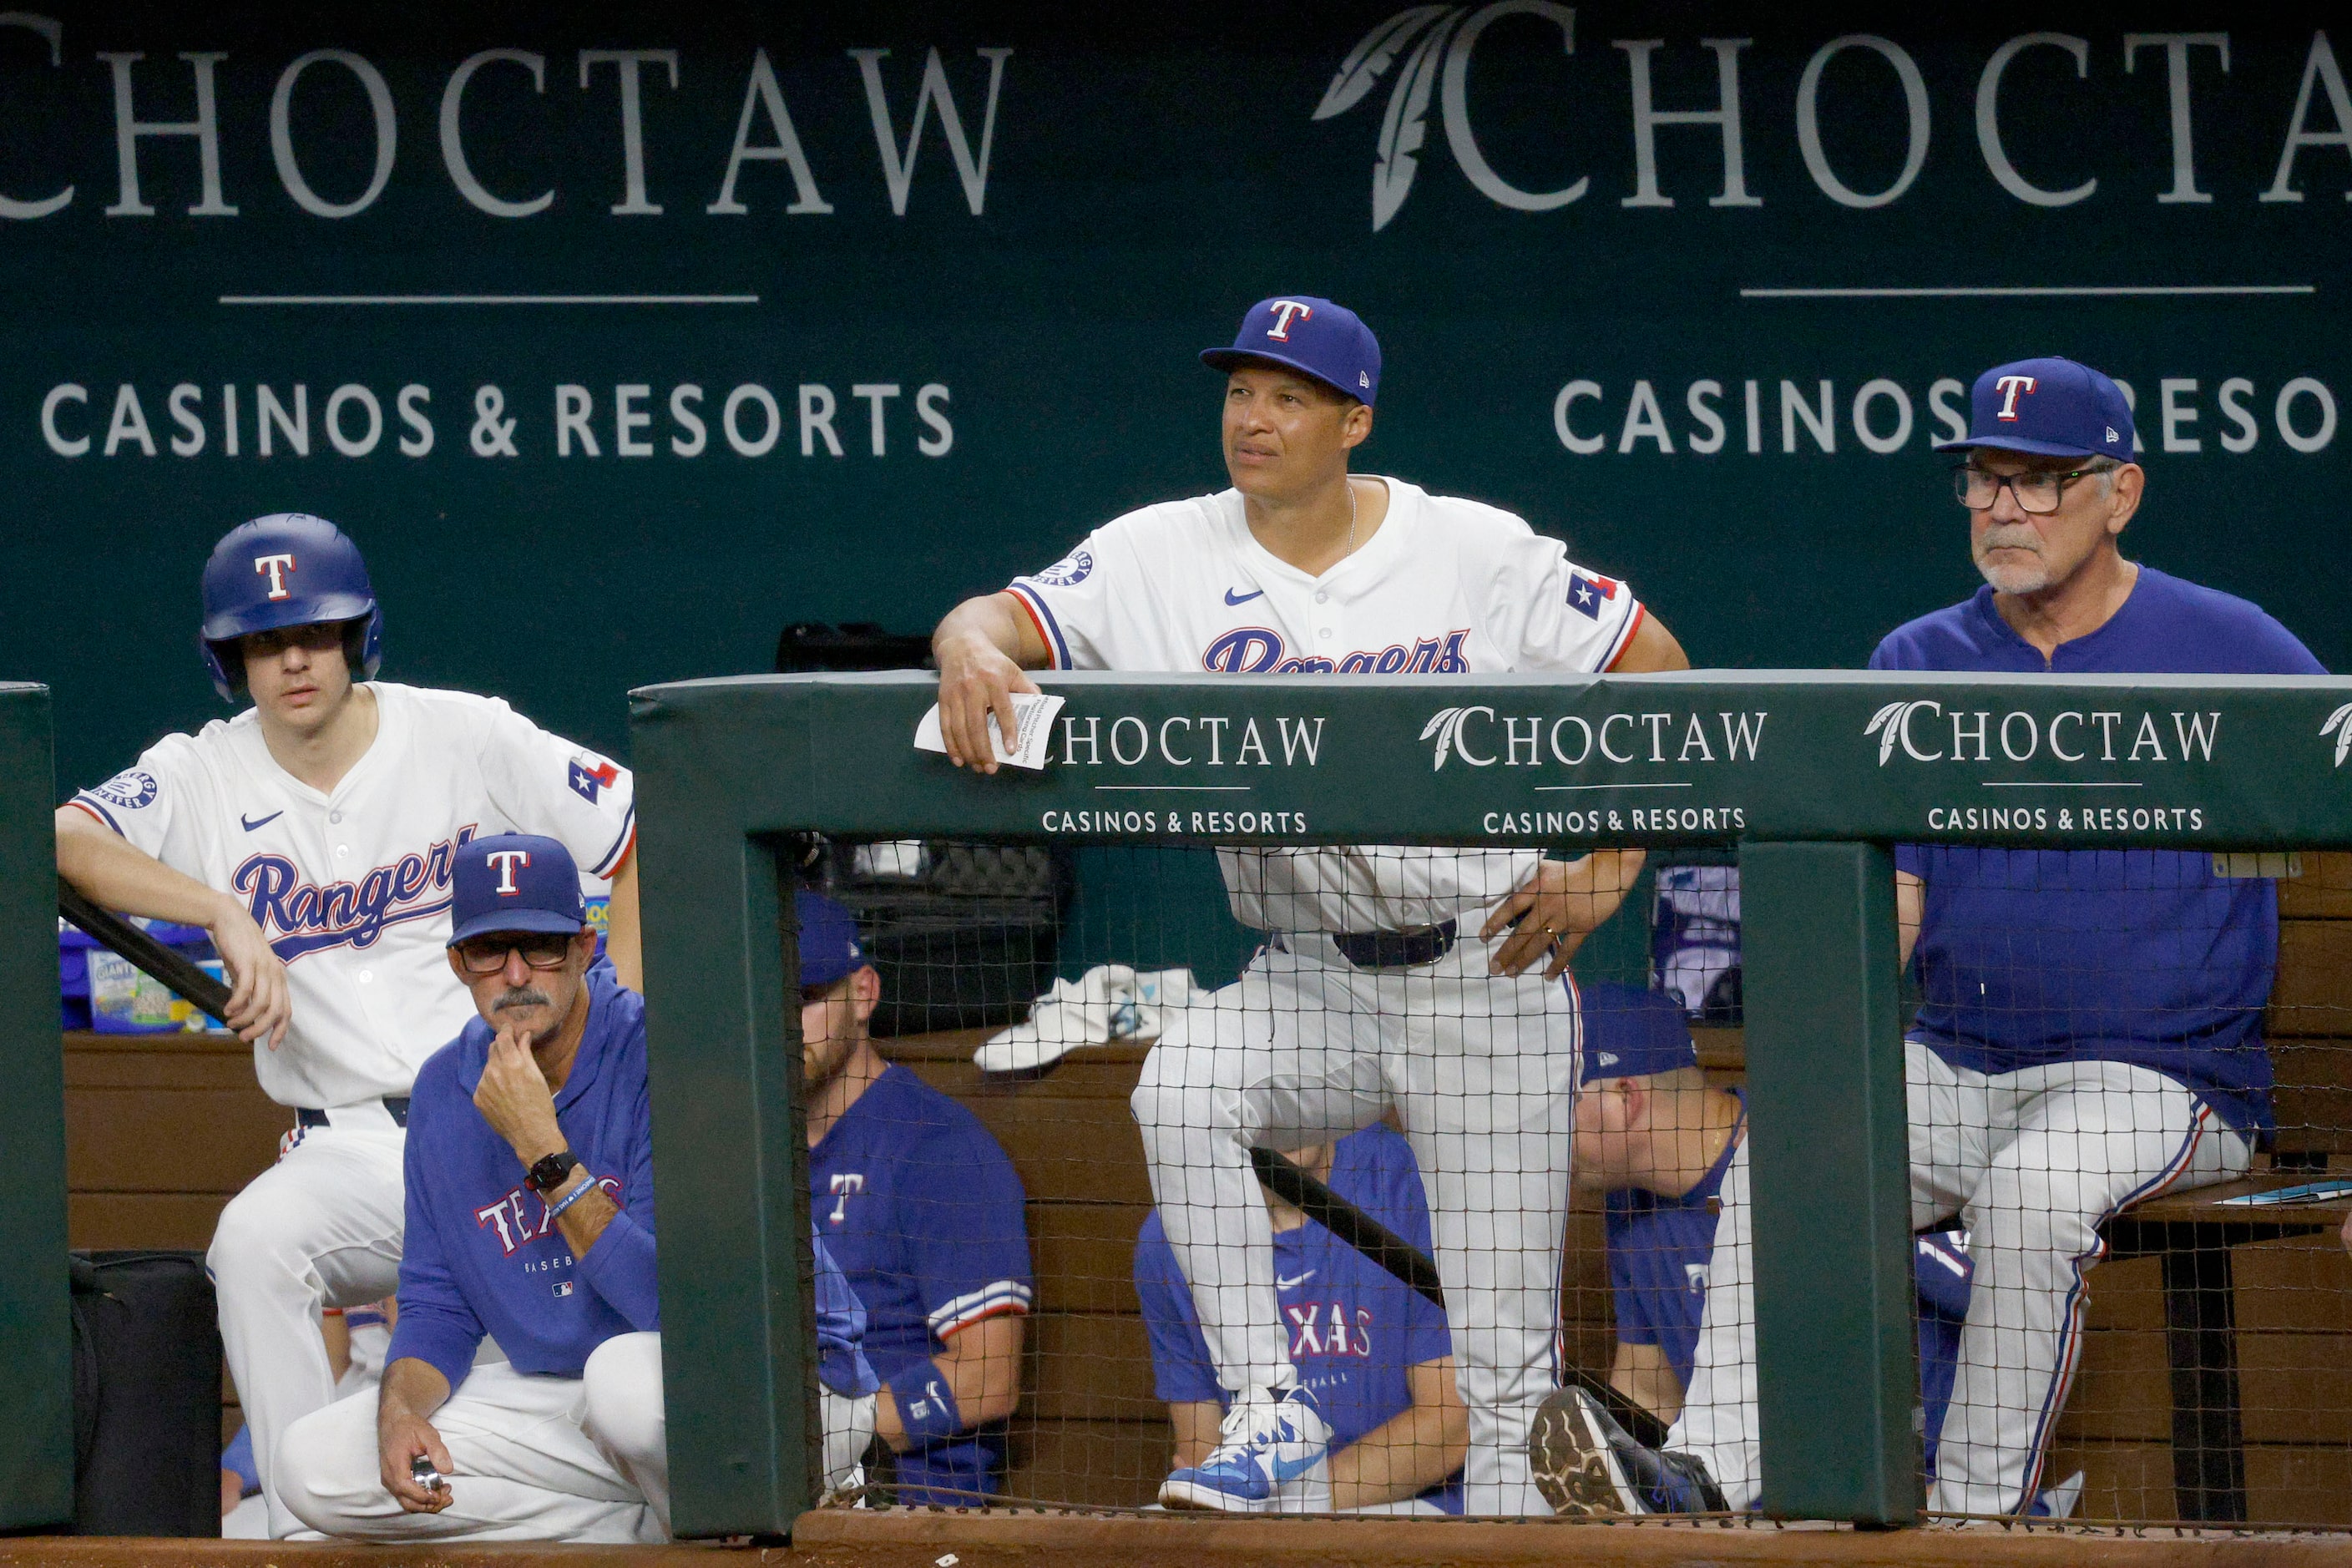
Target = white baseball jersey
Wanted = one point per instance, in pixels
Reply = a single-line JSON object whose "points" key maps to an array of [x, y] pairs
{"points": [[352, 888], [1445, 586]]}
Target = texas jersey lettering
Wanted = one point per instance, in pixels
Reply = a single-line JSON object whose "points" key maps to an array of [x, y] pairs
{"points": [[350, 888]]}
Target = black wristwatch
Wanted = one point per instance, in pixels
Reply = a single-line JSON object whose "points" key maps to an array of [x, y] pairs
{"points": [[552, 1171]]}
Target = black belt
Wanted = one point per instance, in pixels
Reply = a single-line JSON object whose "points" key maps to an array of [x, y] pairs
{"points": [[1394, 949], [396, 1104]]}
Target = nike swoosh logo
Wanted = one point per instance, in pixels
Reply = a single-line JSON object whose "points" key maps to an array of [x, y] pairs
{"points": [[1281, 1283], [250, 825], [1231, 598]]}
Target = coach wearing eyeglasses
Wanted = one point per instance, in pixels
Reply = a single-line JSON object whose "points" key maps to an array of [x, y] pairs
{"points": [[2089, 1032], [530, 1220]]}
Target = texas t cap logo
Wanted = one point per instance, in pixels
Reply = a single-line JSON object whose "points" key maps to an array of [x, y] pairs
{"points": [[506, 860], [1284, 309], [275, 568], [2010, 386]]}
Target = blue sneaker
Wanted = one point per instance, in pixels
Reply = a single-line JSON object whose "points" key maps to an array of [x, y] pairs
{"points": [[1269, 1442], [1587, 1466]]}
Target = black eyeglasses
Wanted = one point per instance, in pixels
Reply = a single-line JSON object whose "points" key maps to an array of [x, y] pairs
{"points": [[2038, 493], [487, 954]]}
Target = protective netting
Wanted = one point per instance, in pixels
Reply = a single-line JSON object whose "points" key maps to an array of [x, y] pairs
{"points": [[1122, 1144]]}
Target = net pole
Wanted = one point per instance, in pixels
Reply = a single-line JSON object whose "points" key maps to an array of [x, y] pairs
{"points": [[1837, 1377], [36, 1330]]}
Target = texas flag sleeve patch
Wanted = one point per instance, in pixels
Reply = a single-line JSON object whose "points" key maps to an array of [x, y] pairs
{"points": [[1586, 594]]}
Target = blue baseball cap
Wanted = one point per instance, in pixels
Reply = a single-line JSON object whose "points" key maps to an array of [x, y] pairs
{"points": [[1312, 336], [514, 881], [829, 945], [1634, 1033], [2050, 408]]}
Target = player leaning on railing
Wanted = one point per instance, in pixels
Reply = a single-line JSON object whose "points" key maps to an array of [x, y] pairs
{"points": [[1427, 980]]}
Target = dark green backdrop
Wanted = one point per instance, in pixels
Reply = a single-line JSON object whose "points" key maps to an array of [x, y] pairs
{"points": [[1149, 174]]}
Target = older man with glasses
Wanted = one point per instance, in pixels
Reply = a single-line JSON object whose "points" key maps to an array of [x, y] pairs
{"points": [[2089, 1029]]}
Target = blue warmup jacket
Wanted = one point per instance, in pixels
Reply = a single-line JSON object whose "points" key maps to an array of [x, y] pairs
{"points": [[2032, 956], [482, 1256]]}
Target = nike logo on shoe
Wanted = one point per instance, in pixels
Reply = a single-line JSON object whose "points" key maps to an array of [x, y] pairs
{"points": [[250, 825], [1232, 598]]}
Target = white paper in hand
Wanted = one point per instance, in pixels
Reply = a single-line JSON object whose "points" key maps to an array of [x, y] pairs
{"points": [[1033, 712]]}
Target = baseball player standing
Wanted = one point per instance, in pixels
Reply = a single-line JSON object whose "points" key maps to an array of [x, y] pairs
{"points": [[1430, 980], [313, 835], [2089, 1033]]}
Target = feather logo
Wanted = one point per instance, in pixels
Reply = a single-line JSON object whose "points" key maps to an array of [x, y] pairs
{"points": [[2336, 725], [1432, 41], [1448, 719], [1888, 724], [1406, 125], [1369, 60]]}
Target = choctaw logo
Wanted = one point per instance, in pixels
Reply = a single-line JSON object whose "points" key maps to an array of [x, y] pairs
{"points": [[2338, 726], [1441, 39]]}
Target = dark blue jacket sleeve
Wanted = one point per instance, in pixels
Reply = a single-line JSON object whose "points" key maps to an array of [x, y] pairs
{"points": [[436, 1326], [619, 1267]]}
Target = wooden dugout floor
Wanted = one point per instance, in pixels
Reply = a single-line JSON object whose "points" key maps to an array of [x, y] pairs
{"points": [[923, 1539]]}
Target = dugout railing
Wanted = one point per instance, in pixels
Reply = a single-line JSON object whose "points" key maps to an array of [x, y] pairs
{"points": [[1811, 777]]}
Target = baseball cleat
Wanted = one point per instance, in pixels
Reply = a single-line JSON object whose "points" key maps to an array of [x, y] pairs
{"points": [[1270, 1439], [1585, 1464]]}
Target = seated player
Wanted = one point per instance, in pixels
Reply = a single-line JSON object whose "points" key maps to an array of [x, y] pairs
{"points": [[1375, 1351], [530, 1218], [2089, 1035], [1658, 1139], [923, 1211]]}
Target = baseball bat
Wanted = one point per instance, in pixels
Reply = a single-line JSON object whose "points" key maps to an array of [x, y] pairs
{"points": [[1352, 1224], [1412, 1266], [119, 935]]}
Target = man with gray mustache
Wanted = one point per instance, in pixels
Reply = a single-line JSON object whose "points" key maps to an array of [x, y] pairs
{"points": [[2089, 1030]]}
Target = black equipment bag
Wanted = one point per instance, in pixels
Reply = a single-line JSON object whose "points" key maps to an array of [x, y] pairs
{"points": [[147, 1395]]}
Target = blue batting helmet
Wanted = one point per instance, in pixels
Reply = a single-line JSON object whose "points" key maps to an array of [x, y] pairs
{"points": [[289, 569]]}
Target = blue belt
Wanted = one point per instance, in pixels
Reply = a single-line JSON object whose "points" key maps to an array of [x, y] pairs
{"points": [[395, 1104]]}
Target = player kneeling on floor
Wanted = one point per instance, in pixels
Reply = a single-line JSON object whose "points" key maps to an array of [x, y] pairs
{"points": [[531, 1220]]}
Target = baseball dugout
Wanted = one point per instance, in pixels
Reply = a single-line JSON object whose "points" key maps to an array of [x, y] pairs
{"points": [[1814, 779]]}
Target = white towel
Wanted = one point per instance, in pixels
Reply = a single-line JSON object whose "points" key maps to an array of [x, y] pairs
{"points": [[1111, 1002]]}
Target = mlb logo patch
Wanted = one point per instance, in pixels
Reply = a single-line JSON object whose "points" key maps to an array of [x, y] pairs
{"points": [[587, 783], [561, 1288], [1586, 594]]}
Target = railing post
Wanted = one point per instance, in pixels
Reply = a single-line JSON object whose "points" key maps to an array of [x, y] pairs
{"points": [[36, 1330], [1837, 1375], [737, 1336]]}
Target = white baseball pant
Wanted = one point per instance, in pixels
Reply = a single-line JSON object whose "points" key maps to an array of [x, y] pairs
{"points": [[1304, 1047], [2032, 1161], [320, 1228], [624, 1413], [535, 1457]]}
